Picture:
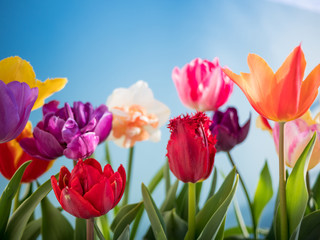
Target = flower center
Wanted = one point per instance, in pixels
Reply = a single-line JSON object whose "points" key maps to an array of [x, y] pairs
{"points": [[131, 123]]}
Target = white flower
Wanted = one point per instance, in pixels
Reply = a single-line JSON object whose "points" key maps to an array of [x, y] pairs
{"points": [[137, 116]]}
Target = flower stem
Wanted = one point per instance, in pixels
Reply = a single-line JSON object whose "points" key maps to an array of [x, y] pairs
{"points": [[191, 210], [282, 185], [126, 191], [108, 157], [247, 196], [90, 227]]}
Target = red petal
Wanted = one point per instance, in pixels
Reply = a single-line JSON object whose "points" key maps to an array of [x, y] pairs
{"points": [[55, 187], [72, 202], [101, 196]]}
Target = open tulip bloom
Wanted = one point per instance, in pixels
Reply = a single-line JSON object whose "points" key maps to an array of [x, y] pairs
{"points": [[88, 191], [71, 131], [196, 204]]}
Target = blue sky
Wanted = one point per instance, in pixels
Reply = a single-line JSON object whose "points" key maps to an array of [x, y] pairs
{"points": [[103, 45]]}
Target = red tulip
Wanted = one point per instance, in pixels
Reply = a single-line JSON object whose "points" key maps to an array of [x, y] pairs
{"points": [[88, 191], [191, 149], [12, 157]]}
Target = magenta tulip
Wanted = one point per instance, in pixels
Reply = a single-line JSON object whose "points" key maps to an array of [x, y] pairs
{"points": [[71, 131], [202, 85]]}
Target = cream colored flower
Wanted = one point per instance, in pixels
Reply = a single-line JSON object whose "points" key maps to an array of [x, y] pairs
{"points": [[137, 116]]}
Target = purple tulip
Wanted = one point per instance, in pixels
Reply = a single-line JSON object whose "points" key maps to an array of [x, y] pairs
{"points": [[71, 131], [227, 130], [16, 102]]}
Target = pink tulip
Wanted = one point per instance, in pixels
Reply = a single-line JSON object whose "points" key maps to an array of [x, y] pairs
{"points": [[297, 134], [202, 85]]}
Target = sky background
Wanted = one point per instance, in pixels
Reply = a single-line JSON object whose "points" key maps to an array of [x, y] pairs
{"points": [[103, 45]]}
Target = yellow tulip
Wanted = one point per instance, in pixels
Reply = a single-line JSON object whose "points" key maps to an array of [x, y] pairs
{"points": [[17, 69]]}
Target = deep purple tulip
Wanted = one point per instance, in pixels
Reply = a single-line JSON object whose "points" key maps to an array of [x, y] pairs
{"points": [[225, 126], [16, 102], [71, 131]]}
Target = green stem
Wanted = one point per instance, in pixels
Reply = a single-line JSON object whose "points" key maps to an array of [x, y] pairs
{"points": [[308, 184], [166, 176], [282, 185], [191, 210], [108, 157], [247, 196], [126, 191], [90, 229]]}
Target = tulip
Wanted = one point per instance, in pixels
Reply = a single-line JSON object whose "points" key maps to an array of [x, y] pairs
{"points": [[12, 157], [297, 134], [202, 85], [88, 191], [17, 69], [225, 126], [280, 96], [16, 102], [191, 149], [71, 131], [137, 116]]}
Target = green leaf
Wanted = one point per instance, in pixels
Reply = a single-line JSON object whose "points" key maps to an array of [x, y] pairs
{"points": [[182, 202], [213, 183], [310, 229], [296, 189], [54, 224], [98, 232], [240, 219], [169, 202], [316, 191], [214, 202], [176, 227], [263, 193], [212, 226], [20, 217], [8, 195], [124, 217], [220, 233], [125, 235], [80, 229], [32, 230], [156, 220]]}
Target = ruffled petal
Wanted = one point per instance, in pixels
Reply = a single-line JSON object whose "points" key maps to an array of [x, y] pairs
{"points": [[47, 88]]}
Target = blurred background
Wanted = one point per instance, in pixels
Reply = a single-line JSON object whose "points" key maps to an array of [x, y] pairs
{"points": [[103, 45]]}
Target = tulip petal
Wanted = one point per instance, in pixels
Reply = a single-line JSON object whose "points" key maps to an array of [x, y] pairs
{"points": [[72, 202], [47, 88], [9, 115], [226, 140], [309, 90], [104, 126], [108, 171], [55, 187], [17, 69], [289, 78], [82, 146], [64, 177], [52, 149], [243, 131], [101, 196]]}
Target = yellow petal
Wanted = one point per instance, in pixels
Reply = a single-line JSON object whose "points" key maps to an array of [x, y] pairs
{"points": [[307, 117], [17, 69], [47, 88]]}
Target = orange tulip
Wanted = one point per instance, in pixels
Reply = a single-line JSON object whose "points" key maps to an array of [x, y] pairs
{"points": [[12, 157], [280, 96]]}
